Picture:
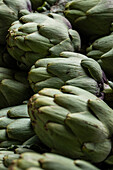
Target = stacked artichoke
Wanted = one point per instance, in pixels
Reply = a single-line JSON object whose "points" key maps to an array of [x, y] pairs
{"points": [[73, 122], [49, 161], [91, 18], [37, 36], [69, 68], [56, 85]]}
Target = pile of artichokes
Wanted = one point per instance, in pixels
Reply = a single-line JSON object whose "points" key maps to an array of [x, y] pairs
{"points": [[56, 85]]}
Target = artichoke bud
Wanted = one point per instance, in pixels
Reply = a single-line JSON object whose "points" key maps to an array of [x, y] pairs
{"points": [[80, 121], [67, 69], [51, 33]]}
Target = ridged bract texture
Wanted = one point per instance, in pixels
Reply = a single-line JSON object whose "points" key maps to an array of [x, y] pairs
{"points": [[92, 18], [9, 12], [69, 68], [14, 87], [73, 122], [37, 36]]}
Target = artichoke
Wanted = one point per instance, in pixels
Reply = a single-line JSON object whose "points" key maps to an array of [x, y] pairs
{"points": [[13, 84], [102, 51], [73, 122], [8, 155], [9, 12], [48, 161], [91, 18], [69, 68], [37, 36], [15, 126]]}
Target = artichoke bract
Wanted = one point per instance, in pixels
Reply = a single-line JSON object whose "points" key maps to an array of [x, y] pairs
{"points": [[9, 12], [14, 87], [37, 36], [92, 18], [73, 122], [35, 161], [102, 51], [69, 68]]}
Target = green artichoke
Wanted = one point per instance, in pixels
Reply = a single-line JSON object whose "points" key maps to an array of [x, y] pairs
{"points": [[102, 51], [15, 126], [8, 155], [37, 36], [69, 68], [91, 18], [9, 12], [73, 122], [14, 87], [48, 161]]}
